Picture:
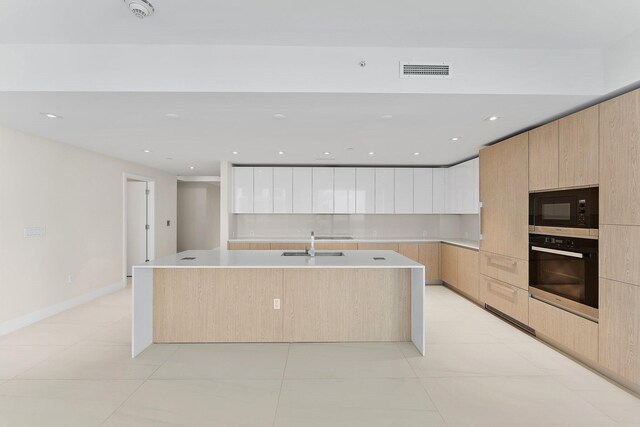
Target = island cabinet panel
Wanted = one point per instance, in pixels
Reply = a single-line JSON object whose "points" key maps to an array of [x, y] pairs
{"points": [[504, 193], [620, 160], [578, 149], [573, 332], [347, 305], [429, 256], [217, 305], [619, 338], [543, 157]]}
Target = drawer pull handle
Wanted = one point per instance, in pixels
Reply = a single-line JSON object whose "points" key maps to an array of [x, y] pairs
{"points": [[501, 261], [505, 290]]}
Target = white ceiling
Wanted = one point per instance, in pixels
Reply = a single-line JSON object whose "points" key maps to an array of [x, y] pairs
{"points": [[212, 126], [409, 23]]}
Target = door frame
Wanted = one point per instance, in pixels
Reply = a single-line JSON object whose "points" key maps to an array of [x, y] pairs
{"points": [[151, 218]]}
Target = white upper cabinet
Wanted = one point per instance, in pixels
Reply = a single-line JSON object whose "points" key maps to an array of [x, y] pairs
{"points": [[385, 190], [262, 190], [302, 190], [282, 190], [344, 190], [403, 190], [365, 190], [439, 190], [423, 190], [242, 190], [322, 190], [462, 188]]}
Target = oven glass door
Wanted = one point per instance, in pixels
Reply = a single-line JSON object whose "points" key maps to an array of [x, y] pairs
{"points": [[570, 275], [556, 211]]}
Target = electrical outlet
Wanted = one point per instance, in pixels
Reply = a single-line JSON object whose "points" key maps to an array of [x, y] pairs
{"points": [[70, 279], [276, 303], [424, 233]]}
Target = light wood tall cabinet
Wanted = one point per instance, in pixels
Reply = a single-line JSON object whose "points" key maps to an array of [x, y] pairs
{"points": [[504, 194], [543, 157]]}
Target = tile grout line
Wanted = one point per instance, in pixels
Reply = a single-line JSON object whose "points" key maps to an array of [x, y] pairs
{"points": [[275, 415]]}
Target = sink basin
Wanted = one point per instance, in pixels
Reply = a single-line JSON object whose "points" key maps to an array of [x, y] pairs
{"points": [[301, 253]]}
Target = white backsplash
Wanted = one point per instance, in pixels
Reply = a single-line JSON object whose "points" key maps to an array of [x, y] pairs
{"points": [[356, 226]]}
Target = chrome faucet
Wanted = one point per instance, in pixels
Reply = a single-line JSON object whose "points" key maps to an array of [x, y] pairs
{"points": [[312, 251]]}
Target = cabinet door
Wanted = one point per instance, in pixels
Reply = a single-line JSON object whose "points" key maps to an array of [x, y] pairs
{"points": [[323, 190], [465, 188], [578, 143], [262, 190], [505, 198], [302, 190], [385, 189], [242, 190], [410, 250], [365, 190], [451, 192], [468, 272], [620, 160], [403, 183], [618, 334], [282, 190], [439, 190], [344, 193], [543, 157], [429, 254], [449, 264], [423, 190]]}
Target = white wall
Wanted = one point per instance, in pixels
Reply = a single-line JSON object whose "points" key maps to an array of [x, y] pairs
{"points": [[77, 196], [198, 215], [357, 226]]}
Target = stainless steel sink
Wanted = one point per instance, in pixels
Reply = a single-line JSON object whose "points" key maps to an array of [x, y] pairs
{"points": [[302, 253]]}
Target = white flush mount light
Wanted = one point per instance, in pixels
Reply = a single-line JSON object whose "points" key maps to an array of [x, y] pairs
{"points": [[386, 116], [280, 153], [234, 152], [140, 8], [456, 138], [279, 116], [492, 118], [416, 154], [51, 116], [192, 167], [326, 153], [147, 151], [172, 116], [371, 153]]}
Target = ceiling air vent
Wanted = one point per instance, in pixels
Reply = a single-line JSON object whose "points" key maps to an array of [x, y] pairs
{"points": [[424, 70]]}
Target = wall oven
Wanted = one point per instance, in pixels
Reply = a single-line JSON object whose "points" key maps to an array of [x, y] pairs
{"points": [[564, 209], [563, 271]]}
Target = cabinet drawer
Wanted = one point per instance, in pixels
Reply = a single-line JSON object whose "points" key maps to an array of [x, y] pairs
{"points": [[508, 299], [573, 332], [507, 269]]}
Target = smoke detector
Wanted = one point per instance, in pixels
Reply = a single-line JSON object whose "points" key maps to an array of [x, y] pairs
{"points": [[140, 8]]}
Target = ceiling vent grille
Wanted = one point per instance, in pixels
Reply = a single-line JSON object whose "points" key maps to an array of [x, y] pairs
{"points": [[425, 70]]}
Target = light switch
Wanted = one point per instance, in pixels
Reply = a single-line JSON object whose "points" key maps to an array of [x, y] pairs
{"points": [[34, 231], [276, 303]]}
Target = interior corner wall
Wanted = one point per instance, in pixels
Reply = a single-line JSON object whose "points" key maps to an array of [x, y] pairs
{"points": [[77, 195], [198, 215]]}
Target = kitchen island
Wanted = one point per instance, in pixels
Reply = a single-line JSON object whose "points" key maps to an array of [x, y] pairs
{"points": [[263, 296]]}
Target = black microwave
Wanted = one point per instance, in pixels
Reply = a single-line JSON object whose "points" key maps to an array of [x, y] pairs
{"points": [[575, 208]]}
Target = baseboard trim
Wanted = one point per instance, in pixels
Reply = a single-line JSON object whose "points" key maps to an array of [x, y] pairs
{"points": [[31, 318]]}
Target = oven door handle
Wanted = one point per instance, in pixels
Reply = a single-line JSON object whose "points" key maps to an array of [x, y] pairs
{"points": [[557, 252]]}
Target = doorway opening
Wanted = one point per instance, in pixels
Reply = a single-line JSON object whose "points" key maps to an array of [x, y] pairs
{"points": [[138, 222]]}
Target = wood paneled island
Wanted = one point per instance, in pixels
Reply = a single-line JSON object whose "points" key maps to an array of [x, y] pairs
{"points": [[263, 296]]}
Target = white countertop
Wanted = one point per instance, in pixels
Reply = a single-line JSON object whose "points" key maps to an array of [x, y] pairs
{"points": [[466, 243], [274, 259]]}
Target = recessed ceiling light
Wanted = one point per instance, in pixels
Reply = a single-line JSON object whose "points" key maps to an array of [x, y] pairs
{"points": [[416, 154], [169, 158], [281, 152], [172, 116], [51, 116], [492, 118], [279, 116], [386, 116], [326, 153], [455, 138], [371, 153], [192, 167], [234, 152], [147, 151]]}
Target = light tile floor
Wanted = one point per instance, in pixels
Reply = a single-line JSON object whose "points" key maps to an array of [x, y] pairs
{"points": [[74, 369]]}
